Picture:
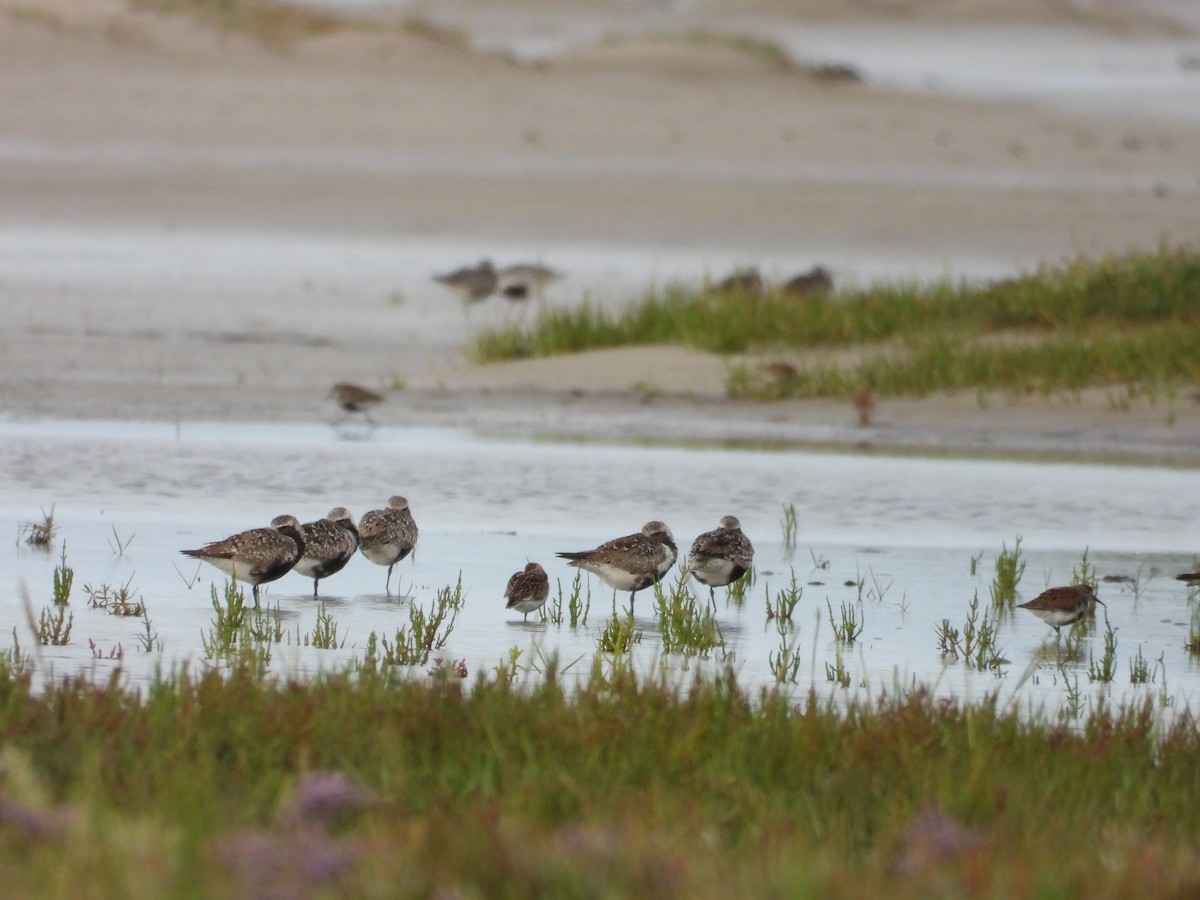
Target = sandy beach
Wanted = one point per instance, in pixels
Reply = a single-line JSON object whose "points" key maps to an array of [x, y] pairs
{"points": [[196, 224]]}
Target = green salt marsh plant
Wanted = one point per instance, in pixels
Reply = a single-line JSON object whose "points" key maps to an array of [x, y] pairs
{"points": [[1141, 672], [64, 577], [1009, 569], [578, 602], [684, 626], [619, 635], [784, 603], [1106, 669], [836, 672], [325, 634], [427, 630], [1193, 644], [54, 626], [118, 545], [976, 643], [848, 624], [1085, 572], [735, 594], [39, 534], [148, 639], [118, 601], [790, 525], [784, 662]]}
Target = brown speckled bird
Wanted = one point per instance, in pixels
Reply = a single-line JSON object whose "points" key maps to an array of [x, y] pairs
{"points": [[258, 555], [527, 590], [632, 562]]}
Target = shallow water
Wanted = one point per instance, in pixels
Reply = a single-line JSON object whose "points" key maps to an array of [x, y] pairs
{"points": [[906, 528]]}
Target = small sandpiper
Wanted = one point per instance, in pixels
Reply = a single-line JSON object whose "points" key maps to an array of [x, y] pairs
{"points": [[527, 590], [746, 282], [386, 536], [521, 281], [817, 280], [258, 555], [1061, 606], [471, 284], [719, 558], [632, 562], [354, 399], [329, 544]]}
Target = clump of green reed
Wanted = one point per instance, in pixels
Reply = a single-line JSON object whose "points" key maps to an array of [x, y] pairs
{"points": [[239, 635], [148, 639], [1106, 669], [848, 624], [790, 525], [784, 662], [876, 592], [118, 601], [1085, 572], [1075, 701], [1140, 671], [683, 626], [271, 23], [54, 626], [785, 601], [976, 644], [578, 602], [1009, 569], [427, 631], [619, 635], [506, 670], [64, 577], [39, 534]]}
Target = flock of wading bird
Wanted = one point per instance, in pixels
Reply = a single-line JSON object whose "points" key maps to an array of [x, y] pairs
{"points": [[718, 558]]}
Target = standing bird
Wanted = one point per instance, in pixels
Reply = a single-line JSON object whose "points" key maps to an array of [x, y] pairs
{"points": [[329, 544], [386, 536], [527, 590], [354, 399], [632, 562], [471, 284], [720, 557], [746, 282], [258, 555], [1191, 579], [817, 280], [1061, 606], [520, 281]]}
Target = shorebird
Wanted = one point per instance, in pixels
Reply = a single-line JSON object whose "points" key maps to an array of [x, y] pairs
{"points": [[354, 399], [719, 558], [817, 280], [329, 544], [258, 555], [1061, 606], [386, 536], [518, 282], [1191, 579], [527, 590], [632, 562], [471, 284], [746, 281]]}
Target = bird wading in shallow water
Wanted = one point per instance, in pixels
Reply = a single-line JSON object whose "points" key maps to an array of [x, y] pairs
{"points": [[527, 590], [632, 562], [258, 555], [1061, 606], [386, 536], [329, 544], [720, 557]]}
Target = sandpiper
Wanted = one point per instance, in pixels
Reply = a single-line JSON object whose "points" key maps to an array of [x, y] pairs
{"points": [[1191, 579], [817, 280], [471, 284], [519, 282], [258, 555], [527, 590], [745, 281], [386, 536], [632, 562], [719, 558], [329, 544], [354, 399], [1059, 606]]}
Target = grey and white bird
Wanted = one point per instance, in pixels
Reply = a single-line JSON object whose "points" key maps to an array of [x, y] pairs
{"points": [[524, 280], [1059, 606], [329, 544], [527, 590], [472, 284], [632, 562], [355, 399], [258, 555], [386, 536], [720, 557]]}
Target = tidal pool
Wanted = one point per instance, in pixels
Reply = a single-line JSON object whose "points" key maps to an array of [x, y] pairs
{"points": [[905, 542]]}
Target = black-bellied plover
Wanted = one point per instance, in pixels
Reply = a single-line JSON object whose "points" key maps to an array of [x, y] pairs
{"points": [[472, 284], [719, 558], [386, 536], [524, 280], [1059, 606], [527, 590], [258, 555], [354, 399], [329, 544], [632, 562], [817, 280]]}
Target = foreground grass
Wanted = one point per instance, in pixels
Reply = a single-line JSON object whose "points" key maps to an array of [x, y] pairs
{"points": [[371, 785], [1130, 322]]}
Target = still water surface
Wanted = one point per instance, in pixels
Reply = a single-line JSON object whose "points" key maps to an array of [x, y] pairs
{"points": [[891, 537]]}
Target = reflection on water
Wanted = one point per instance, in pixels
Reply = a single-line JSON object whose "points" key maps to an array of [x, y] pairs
{"points": [[906, 542]]}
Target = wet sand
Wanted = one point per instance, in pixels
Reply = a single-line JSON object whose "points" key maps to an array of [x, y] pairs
{"points": [[194, 226]]}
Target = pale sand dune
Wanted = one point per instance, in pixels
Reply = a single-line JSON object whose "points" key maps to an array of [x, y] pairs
{"points": [[193, 225]]}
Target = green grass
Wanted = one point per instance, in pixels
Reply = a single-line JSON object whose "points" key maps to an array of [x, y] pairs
{"points": [[621, 786], [1131, 322], [269, 21]]}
